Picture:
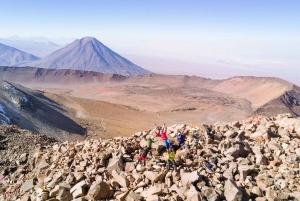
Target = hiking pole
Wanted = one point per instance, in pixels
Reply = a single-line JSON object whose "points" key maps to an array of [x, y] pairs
{"points": [[155, 125]]}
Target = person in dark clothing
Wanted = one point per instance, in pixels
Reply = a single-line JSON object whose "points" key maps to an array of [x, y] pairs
{"points": [[180, 137], [143, 155]]}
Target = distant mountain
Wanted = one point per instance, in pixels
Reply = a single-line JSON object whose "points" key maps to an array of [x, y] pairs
{"points": [[90, 55], [38, 47], [59, 41], [10, 56]]}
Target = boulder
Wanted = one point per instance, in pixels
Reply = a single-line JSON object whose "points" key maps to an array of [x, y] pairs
{"points": [[292, 158], [23, 158], [155, 176], [158, 145], [257, 191], [192, 194], [274, 146], [153, 190], [104, 156], [122, 196], [79, 189], [260, 160], [99, 191], [115, 164], [231, 133], [153, 198], [27, 185], [244, 170], [257, 136], [189, 177], [120, 178], [238, 150], [228, 174], [232, 192], [271, 194], [64, 195], [210, 194], [133, 197], [232, 151], [129, 166]]}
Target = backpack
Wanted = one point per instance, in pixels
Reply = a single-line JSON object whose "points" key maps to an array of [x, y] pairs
{"points": [[180, 138]]}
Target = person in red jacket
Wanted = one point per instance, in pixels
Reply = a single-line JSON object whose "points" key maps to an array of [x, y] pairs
{"points": [[163, 135]]}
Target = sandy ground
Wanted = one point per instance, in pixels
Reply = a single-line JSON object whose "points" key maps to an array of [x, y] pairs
{"points": [[103, 119], [124, 110]]}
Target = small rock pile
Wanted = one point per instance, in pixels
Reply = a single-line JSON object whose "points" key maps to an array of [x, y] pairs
{"points": [[16, 144], [255, 159]]}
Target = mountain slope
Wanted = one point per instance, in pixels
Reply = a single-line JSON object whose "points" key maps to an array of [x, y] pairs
{"points": [[10, 56], [90, 55], [32, 110]]}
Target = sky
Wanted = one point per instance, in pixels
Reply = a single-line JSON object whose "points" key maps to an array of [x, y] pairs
{"points": [[212, 38]]}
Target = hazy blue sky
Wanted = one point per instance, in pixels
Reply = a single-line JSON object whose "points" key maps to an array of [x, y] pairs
{"points": [[260, 37]]}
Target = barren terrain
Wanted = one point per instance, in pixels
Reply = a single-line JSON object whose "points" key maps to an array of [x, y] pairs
{"points": [[114, 105]]}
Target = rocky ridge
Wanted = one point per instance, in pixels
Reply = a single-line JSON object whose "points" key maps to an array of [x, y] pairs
{"points": [[257, 158]]}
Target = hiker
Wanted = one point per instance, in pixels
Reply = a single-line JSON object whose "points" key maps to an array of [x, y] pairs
{"points": [[143, 155], [170, 158], [163, 135], [180, 137], [149, 141], [196, 138]]}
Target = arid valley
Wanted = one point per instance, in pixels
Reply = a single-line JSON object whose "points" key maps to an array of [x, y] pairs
{"points": [[108, 105]]}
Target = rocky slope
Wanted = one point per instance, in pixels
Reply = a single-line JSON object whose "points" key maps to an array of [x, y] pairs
{"points": [[17, 144], [257, 158], [89, 54], [31, 110]]}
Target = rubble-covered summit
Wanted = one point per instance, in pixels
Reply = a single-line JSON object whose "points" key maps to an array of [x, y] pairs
{"points": [[257, 158], [17, 144]]}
